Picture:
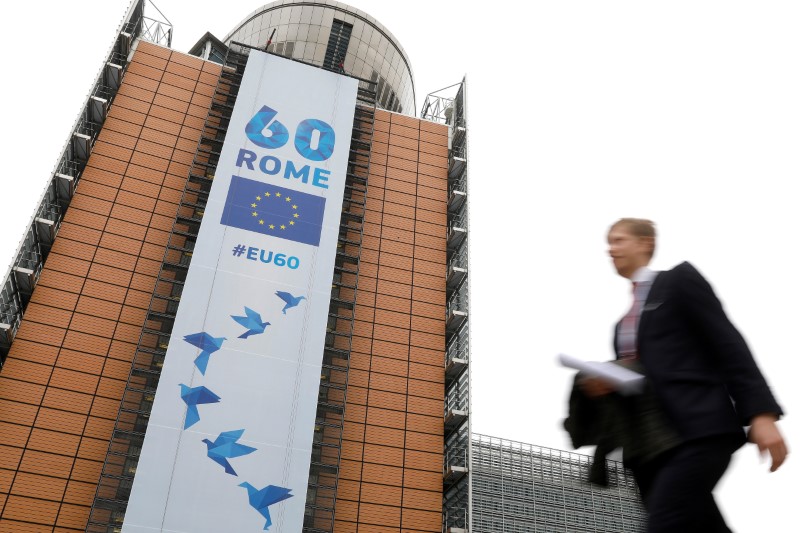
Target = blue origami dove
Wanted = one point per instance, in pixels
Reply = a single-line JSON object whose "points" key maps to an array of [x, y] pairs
{"points": [[207, 344], [226, 447], [291, 301], [260, 500], [194, 396], [252, 321]]}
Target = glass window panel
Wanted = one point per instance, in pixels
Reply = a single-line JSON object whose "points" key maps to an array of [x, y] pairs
{"points": [[310, 51], [366, 35], [358, 28], [281, 33], [358, 67], [327, 18], [313, 33], [302, 32], [375, 39], [305, 14], [316, 15], [299, 50], [361, 51], [372, 57], [383, 44], [259, 22], [319, 55]]}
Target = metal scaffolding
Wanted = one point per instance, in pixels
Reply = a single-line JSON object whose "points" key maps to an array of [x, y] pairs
{"points": [[21, 278], [448, 106]]}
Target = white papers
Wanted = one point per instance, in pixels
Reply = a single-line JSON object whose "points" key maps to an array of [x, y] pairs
{"points": [[626, 381]]}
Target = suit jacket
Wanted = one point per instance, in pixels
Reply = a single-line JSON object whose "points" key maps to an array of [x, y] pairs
{"points": [[697, 363]]}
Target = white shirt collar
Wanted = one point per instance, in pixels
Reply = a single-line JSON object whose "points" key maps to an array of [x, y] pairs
{"points": [[644, 275]]}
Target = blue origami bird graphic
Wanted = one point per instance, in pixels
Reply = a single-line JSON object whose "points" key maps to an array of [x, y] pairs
{"points": [[260, 500], [252, 321], [226, 447], [291, 301], [194, 396], [207, 344]]}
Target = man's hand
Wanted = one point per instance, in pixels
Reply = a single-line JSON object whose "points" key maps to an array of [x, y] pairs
{"points": [[595, 387], [764, 433]]}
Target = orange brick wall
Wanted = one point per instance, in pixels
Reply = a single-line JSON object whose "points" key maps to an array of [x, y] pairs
{"points": [[391, 470], [63, 380]]}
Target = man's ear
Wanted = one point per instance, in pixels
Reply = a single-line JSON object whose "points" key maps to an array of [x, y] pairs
{"points": [[649, 243]]}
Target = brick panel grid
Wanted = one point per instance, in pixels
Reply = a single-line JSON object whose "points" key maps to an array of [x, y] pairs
{"points": [[392, 449], [63, 380]]}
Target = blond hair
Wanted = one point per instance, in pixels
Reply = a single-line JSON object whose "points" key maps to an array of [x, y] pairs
{"points": [[638, 227]]}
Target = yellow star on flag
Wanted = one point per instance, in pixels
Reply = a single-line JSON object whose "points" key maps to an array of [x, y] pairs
{"points": [[283, 227], [255, 214], [261, 222], [272, 226]]}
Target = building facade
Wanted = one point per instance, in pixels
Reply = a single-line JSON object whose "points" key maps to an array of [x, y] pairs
{"points": [[449, 106], [334, 35], [89, 306], [522, 488]]}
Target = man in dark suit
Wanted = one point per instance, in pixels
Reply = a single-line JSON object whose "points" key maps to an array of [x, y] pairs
{"points": [[703, 375]]}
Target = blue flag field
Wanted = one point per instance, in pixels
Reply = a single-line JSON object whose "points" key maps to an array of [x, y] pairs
{"points": [[271, 210]]}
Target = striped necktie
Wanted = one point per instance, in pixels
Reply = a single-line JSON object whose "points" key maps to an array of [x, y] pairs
{"points": [[627, 330]]}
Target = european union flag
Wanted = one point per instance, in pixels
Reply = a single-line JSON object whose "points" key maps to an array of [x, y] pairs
{"points": [[255, 206]]}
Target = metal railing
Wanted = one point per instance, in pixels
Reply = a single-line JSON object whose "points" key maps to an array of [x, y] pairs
{"points": [[35, 245], [457, 396], [458, 184], [458, 259], [458, 348], [445, 107], [458, 300], [459, 220]]}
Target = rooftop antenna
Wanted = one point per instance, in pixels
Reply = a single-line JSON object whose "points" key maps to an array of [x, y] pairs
{"points": [[269, 41]]}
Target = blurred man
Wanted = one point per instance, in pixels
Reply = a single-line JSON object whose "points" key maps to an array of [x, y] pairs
{"points": [[703, 375]]}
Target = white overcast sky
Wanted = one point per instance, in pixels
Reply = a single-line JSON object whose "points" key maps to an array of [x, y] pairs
{"points": [[580, 112]]}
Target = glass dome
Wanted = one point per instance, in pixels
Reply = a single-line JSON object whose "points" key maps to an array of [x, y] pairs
{"points": [[334, 35]]}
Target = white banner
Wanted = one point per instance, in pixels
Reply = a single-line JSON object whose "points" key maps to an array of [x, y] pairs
{"points": [[228, 444]]}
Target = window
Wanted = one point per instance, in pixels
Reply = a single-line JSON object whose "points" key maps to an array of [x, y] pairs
{"points": [[285, 49], [338, 42]]}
